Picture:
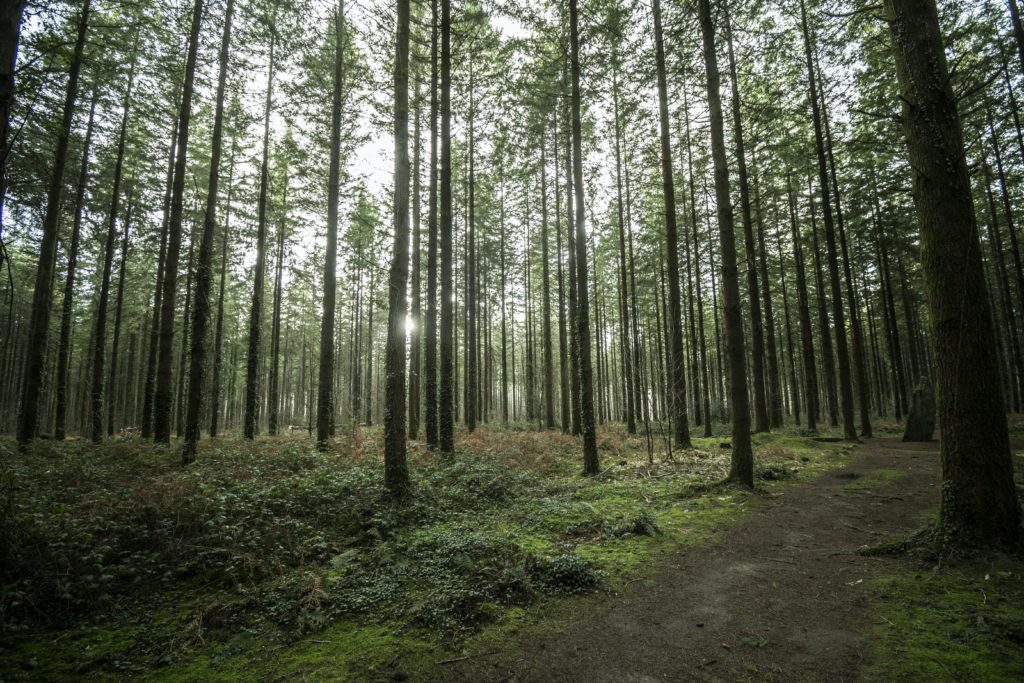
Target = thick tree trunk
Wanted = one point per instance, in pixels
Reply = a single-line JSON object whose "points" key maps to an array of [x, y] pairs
{"points": [[742, 468], [979, 501], [396, 472], [165, 352], [39, 324], [591, 465]]}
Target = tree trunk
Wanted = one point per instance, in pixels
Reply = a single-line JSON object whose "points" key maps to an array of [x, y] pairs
{"points": [[325, 389], [446, 407], [218, 342], [100, 335], [979, 502], [549, 354], [64, 351], [430, 323], [273, 386], [838, 314], [624, 321], [10, 33], [742, 468], [112, 387], [39, 324], [563, 360], [416, 315], [591, 465], [396, 472], [255, 316], [162, 398], [761, 418], [675, 309], [201, 309]]}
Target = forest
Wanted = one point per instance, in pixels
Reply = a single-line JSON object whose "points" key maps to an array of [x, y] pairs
{"points": [[511, 340]]}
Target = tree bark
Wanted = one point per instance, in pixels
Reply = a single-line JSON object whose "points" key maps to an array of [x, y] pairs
{"points": [[742, 466], [680, 417], [39, 323], [252, 372], [97, 388], [204, 275], [591, 465], [446, 407], [325, 388], [838, 314], [64, 350], [979, 502], [165, 352], [396, 472], [761, 418]]}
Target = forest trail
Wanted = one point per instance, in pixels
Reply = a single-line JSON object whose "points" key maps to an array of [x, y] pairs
{"points": [[780, 595]]}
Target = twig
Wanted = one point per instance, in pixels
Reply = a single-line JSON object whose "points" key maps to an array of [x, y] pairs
{"points": [[776, 559]]}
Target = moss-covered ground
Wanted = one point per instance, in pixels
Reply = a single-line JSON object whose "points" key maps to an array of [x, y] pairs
{"points": [[269, 561], [956, 617]]}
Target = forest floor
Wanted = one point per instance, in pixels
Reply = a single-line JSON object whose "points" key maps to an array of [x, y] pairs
{"points": [[268, 561], [784, 595]]}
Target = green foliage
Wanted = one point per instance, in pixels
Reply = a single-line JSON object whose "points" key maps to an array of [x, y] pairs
{"points": [[274, 543]]}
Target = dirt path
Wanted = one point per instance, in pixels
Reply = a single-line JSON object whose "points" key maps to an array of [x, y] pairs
{"points": [[779, 596]]}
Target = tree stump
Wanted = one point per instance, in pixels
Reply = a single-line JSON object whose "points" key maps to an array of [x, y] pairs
{"points": [[921, 420]]}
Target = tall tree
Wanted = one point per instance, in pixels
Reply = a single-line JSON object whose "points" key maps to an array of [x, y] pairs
{"points": [[742, 467], [39, 324], [64, 350], [591, 465], [838, 314], [430, 415], [979, 501], [680, 419], [761, 418], [325, 387], [446, 394], [162, 398], [252, 372], [204, 270], [396, 471]]}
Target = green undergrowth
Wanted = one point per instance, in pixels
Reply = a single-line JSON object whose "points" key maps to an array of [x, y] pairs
{"points": [[270, 561], [962, 623]]}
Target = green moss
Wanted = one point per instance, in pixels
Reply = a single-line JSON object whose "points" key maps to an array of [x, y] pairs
{"points": [[345, 651], [875, 479], [964, 623]]}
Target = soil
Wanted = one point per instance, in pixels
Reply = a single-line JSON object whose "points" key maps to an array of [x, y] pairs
{"points": [[780, 595]]}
